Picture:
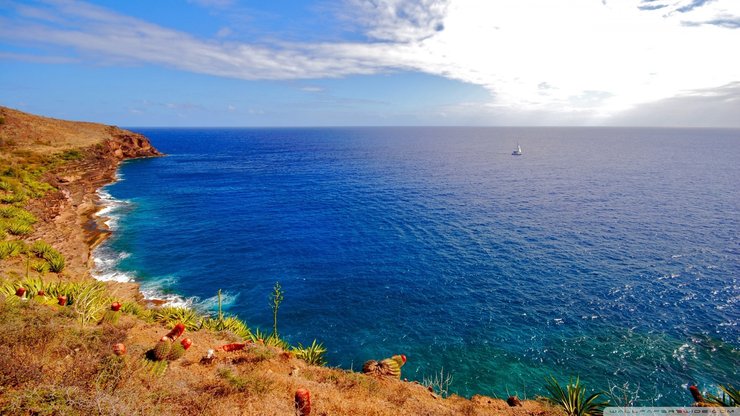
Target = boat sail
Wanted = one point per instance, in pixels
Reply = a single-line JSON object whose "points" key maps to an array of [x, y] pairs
{"points": [[517, 151]]}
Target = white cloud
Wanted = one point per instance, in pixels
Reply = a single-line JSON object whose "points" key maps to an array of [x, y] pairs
{"points": [[312, 89], [578, 59]]}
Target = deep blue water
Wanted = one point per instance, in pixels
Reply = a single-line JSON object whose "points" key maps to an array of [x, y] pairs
{"points": [[608, 253]]}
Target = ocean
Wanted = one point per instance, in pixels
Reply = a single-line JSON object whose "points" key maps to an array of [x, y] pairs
{"points": [[606, 253]]}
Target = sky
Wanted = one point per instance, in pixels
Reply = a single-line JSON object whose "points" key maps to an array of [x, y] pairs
{"points": [[664, 63]]}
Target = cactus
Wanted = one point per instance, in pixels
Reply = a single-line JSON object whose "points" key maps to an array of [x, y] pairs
{"points": [[176, 351], [162, 349], [387, 367], [303, 402], [119, 349]]}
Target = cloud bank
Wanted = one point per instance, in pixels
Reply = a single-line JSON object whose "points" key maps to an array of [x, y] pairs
{"points": [[583, 60]]}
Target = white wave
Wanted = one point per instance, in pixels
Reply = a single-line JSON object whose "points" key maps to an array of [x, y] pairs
{"points": [[228, 299], [168, 299], [115, 276], [106, 260]]}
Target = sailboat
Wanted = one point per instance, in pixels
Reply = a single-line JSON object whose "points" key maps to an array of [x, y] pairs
{"points": [[517, 151]]}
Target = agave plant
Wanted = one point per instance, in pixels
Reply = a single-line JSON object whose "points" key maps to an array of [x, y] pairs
{"points": [[18, 227], [43, 249], [171, 315], [56, 263], [730, 397], [40, 266], [11, 212], [11, 248], [89, 300], [137, 310], [237, 327], [312, 354], [573, 398]]}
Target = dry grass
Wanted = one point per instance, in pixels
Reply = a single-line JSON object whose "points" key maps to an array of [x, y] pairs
{"points": [[52, 365], [43, 135]]}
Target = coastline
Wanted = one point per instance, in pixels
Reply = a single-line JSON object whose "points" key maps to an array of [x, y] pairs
{"points": [[70, 217], [104, 260], [78, 216]]}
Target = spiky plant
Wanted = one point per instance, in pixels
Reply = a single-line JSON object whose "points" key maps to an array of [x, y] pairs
{"points": [[259, 336], [137, 310], [90, 300], [729, 397], [312, 354], [156, 368], [237, 327], [56, 263], [170, 315], [40, 266], [42, 249], [110, 317], [11, 212], [11, 248], [162, 349], [18, 227], [176, 351], [34, 285], [573, 398]]}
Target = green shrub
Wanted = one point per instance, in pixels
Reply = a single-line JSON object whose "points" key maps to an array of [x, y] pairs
{"points": [[231, 324], [271, 339], [11, 248], [11, 212], [56, 262], [89, 300], [17, 227], [313, 354], [72, 154], [170, 315], [573, 398], [137, 310], [43, 249]]}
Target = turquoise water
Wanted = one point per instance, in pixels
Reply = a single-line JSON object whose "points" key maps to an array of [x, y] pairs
{"points": [[612, 254]]}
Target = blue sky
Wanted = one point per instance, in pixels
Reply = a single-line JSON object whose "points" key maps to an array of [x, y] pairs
{"points": [[374, 62]]}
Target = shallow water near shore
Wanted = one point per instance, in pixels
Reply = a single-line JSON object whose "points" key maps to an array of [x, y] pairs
{"points": [[608, 253]]}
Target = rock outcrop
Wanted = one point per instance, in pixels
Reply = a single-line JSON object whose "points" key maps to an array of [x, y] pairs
{"points": [[66, 215]]}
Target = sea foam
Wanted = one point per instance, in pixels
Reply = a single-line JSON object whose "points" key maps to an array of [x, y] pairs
{"points": [[106, 260]]}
